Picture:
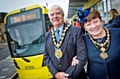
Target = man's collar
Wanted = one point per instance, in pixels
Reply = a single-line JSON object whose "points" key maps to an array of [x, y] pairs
{"points": [[60, 28]]}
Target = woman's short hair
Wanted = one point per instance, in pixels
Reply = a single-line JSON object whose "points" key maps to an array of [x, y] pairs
{"points": [[113, 12]]}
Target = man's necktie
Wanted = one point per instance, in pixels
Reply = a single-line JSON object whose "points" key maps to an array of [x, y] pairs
{"points": [[57, 35], [57, 39]]}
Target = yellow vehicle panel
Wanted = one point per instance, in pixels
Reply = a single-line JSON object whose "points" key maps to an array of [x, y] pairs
{"points": [[32, 69]]}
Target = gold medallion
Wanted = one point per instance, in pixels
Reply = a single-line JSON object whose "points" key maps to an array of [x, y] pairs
{"points": [[103, 55], [58, 53]]}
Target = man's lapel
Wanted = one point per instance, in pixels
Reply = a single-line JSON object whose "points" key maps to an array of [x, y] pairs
{"points": [[52, 49], [65, 42]]}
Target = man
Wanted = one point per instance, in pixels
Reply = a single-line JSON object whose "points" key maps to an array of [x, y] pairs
{"points": [[59, 52]]}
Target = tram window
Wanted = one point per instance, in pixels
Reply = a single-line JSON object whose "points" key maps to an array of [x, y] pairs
{"points": [[28, 40], [27, 34]]}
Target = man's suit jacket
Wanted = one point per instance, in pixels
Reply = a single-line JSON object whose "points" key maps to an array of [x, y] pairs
{"points": [[73, 45]]}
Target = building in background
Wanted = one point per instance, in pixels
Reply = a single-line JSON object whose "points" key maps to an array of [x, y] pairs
{"points": [[103, 6], [2, 29]]}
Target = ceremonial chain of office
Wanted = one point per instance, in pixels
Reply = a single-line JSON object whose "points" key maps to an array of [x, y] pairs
{"points": [[58, 51], [58, 44], [103, 47]]}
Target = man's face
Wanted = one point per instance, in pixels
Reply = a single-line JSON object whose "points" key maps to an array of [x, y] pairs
{"points": [[56, 16]]}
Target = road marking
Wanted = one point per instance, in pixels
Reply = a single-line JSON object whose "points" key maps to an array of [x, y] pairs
{"points": [[12, 64], [10, 61], [7, 58], [5, 69], [4, 49], [2, 77]]}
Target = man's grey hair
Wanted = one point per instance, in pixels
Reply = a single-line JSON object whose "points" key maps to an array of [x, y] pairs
{"points": [[55, 6]]}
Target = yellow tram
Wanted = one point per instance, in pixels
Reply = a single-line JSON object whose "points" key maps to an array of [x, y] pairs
{"points": [[25, 32]]}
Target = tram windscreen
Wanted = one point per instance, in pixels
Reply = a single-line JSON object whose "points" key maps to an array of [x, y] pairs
{"points": [[27, 38]]}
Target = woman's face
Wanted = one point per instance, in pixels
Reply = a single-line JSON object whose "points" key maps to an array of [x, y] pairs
{"points": [[94, 27], [110, 16]]}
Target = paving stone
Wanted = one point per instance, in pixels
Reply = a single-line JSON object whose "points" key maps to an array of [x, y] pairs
{"points": [[7, 69]]}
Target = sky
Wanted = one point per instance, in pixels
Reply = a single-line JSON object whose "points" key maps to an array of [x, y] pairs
{"points": [[9, 5]]}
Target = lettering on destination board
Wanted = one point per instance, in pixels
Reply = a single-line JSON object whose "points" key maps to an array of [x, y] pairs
{"points": [[24, 17]]}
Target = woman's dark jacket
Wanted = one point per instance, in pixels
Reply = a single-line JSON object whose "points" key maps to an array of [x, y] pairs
{"points": [[114, 23], [109, 68]]}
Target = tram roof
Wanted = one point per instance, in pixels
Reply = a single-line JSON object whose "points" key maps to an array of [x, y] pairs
{"points": [[73, 5]]}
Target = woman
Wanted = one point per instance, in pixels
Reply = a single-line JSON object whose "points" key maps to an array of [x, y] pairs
{"points": [[114, 21], [103, 47]]}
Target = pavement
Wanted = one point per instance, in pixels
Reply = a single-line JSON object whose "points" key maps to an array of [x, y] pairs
{"points": [[7, 69]]}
